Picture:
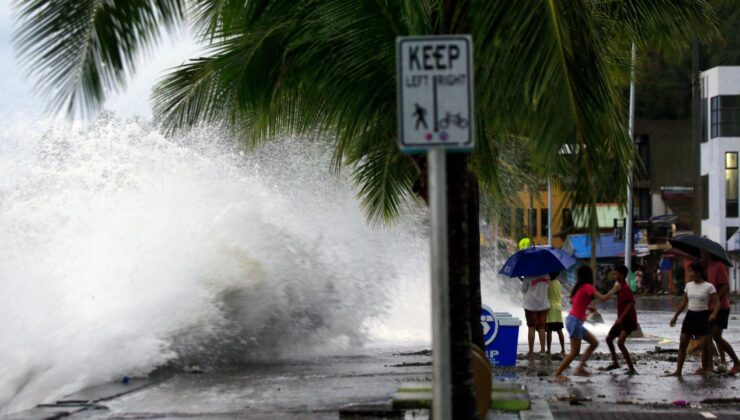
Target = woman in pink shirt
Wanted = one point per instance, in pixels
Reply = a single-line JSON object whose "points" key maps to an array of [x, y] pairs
{"points": [[581, 296]]}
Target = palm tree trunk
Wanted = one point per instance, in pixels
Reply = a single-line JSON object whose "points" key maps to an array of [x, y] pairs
{"points": [[696, 120], [464, 253], [476, 329], [461, 254]]}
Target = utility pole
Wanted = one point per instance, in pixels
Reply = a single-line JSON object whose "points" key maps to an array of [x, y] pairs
{"points": [[628, 225], [696, 125]]}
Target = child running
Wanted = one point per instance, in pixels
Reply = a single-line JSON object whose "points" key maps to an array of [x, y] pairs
{"points": [[555, 314], [696, 323], [581, 296], [626, 320]]}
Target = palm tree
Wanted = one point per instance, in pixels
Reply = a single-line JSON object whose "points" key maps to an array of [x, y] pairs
{"points": [[546, 71]]}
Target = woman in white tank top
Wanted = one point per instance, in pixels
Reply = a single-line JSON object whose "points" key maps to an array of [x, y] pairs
{"points": [[697, 295]]}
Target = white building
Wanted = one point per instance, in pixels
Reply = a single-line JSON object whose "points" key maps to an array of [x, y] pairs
{"points": [[720, 147]]}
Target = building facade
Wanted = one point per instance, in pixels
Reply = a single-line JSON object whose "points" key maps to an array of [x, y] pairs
{"points": [[719, 152], [665, 183], [720, 147]]}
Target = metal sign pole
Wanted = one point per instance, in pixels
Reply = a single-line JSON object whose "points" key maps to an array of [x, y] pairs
{"points": [[436, 115], [441, 363]]}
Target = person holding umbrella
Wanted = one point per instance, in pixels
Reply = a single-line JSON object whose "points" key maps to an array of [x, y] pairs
{"points": [[536, 305], [534, 264], [581, 296], [717, 275], [715, 259], [698, 295]]}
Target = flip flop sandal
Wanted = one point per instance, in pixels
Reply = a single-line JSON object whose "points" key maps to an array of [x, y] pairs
{"points": [[630, 372]]}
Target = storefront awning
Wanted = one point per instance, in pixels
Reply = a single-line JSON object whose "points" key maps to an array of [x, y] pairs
{"points": [[579, 245]]}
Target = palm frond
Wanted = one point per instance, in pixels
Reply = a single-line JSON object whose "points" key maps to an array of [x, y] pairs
{"points": [[385, 177], [307, 68], [558, 91], [76, 51], [667, 26]]}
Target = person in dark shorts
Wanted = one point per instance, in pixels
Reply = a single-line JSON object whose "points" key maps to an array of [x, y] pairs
{"points": [[697, 296], [536, 305], [625, 323], [717, 275], [555, 313]]}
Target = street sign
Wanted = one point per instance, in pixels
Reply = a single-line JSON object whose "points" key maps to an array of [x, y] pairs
{"points": [[435, 93]]}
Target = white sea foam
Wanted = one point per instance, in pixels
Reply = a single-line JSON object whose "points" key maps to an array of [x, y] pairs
{"points": [[124, 251]]}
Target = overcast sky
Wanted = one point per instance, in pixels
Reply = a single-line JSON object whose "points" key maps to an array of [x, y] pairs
{"points": [[18, 101]]}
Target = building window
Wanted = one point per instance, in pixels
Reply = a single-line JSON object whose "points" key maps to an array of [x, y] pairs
{"points": [[519, 223], [544, 228], [567, 221], [643, 150], [644, 204], [704, 113], [532, 222], [729, 231], [725, 117], [731, 209], [506, 221], [705, 197]]}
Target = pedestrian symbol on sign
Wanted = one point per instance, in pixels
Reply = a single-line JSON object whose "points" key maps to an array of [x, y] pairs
{"points": [[420, 115]]}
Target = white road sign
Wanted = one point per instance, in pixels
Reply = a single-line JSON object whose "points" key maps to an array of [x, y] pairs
{"points": [[435, 92]]}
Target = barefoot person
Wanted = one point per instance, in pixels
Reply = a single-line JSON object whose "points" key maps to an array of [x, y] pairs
{"points": [[717, 275], [536, 306], [581, 296], [626, 320], [697, 295], [555, 314]]}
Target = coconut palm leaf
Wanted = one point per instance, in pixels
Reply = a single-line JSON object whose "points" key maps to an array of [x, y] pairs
{"points": [[386, 178], [545, 72], [558, 91], [667, 26], [77, 51]]}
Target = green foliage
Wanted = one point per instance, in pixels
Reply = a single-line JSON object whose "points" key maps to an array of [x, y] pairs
{"points": [[78, 50], [664, 82], [548, 77]]}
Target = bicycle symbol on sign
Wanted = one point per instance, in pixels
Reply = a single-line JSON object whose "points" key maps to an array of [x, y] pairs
{"points": [[454, 119]]}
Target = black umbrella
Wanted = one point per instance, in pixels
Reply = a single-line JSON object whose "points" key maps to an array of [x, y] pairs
{"points": [[693, 245]]}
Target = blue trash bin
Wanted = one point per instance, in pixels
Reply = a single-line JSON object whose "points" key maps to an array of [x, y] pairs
{"points": [[501, 334]]}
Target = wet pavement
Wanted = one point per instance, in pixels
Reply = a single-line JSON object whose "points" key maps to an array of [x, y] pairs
{"points": [[649, 391], [329, 387], [311, 388]]}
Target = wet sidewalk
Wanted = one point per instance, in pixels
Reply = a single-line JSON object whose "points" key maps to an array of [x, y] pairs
{"points": [[363, 384]]}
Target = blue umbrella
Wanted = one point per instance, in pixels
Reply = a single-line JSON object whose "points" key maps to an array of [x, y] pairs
{"points": [[537, 260]]}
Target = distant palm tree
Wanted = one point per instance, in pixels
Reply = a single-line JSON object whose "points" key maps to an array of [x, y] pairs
{"points": [[547, 73]]}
